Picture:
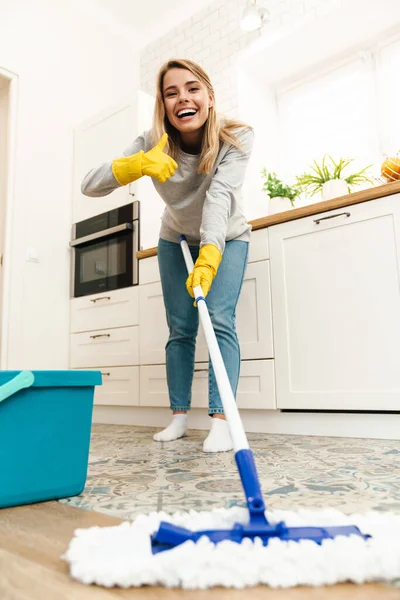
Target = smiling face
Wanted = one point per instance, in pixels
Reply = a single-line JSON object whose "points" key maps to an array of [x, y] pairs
{"points": [[186, 100]]}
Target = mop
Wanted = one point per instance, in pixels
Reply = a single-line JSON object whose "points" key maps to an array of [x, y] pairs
{"points": [[237, 547]]}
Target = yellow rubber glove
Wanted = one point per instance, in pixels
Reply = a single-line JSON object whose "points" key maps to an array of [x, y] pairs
{"points": [[205, 269], [154, 163]]}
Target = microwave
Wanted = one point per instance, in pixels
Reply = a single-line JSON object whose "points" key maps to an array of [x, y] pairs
{"points": [[104, 251]]}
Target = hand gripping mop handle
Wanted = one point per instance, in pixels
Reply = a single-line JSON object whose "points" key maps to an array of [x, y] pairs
{"points": [[243, 455]]}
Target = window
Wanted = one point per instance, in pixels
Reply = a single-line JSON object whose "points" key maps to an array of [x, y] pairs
{"points": [[352, 110], [389, 97]]}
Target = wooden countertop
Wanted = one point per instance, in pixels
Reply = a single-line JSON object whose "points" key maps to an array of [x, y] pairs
{"points": [[312, 209]]}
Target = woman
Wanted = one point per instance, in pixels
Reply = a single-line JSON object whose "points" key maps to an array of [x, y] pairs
{"points": [[197, 163]]}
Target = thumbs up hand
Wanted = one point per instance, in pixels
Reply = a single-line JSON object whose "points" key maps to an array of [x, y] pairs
{"points": [[155, 163]]}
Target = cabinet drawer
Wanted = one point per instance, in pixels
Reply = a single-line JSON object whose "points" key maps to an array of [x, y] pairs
{"points": [[119, 308], [120, 387], [259, 247], [108, 347], [154, 386], [253, 316], [153, 325], [148, 270], [256, 387]]}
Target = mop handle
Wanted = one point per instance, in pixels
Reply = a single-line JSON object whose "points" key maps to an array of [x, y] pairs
{"points": [[236, 428]]}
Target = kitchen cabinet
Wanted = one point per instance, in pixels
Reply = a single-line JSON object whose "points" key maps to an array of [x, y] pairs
{"points": [[105, 348], [100, 139], [336, 308], [253, 316], [119, 308], [255, 389], [153, 325], [120, 387], [253, 320], [254, 325]]}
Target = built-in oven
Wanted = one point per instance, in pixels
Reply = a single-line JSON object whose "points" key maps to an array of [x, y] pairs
{"points": [[104, 251]]}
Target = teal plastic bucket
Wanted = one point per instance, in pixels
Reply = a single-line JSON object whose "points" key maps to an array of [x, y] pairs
{"points": [[45, 427]]}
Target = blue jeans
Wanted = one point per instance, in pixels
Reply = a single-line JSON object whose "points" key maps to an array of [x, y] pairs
{"points": [[183, 320]]}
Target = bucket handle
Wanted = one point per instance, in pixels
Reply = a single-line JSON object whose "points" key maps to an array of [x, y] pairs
{"points": [[23, 380]]}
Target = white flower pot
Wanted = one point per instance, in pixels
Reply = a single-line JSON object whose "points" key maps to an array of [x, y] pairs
{"points": [[278, 204], [334, 188]]}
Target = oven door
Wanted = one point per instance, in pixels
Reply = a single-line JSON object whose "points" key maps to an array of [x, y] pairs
{"points": [[105, 260]]}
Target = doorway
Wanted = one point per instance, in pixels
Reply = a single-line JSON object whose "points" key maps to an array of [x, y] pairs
{"points": [[8, 98]]}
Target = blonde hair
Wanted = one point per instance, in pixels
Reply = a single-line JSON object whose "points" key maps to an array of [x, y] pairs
{"points": [[216, 129]]}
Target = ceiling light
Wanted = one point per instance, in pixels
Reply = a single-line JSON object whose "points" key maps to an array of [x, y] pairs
{"points": [[253, 16]]}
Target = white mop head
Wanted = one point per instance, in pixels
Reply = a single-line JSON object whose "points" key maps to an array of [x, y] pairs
{"points": [[121, 555]]}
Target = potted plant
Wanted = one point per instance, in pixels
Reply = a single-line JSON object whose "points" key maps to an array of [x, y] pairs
{"points": [[329, 179], [281, 195]]}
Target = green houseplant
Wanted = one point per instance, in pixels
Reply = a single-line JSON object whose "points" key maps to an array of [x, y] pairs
{"points": [[281, 195], [329, 179]]}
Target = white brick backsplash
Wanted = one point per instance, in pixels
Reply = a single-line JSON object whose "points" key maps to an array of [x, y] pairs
{"points": [[196, 28], [294, 13], [202, 14], [187, 44], [234, 48], [328, 6], [233, 37], [310, 4], [279, 9], [213, 38], [199, 36], [179, 38]]}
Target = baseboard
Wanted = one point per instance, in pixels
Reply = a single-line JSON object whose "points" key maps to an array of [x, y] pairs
{"points": [[378, 426]]}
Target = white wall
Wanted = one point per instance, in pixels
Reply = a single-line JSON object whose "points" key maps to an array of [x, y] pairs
{"points": [[3, 150], [4, 85], [69, 68]]}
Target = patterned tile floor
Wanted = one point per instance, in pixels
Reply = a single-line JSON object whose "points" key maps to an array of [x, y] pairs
{"points": [[129, 473]]}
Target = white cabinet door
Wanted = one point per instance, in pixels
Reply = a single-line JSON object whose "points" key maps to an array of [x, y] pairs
{"points": [[98, 140], [259, 247], [120, 387], [105, 347], [336, 308], [119, 308], [154, 386], [253, 316], [148, 270], [256, 389], [153, 325]]}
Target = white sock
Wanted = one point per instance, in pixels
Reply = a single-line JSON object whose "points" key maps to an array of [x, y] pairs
{"points": [[219, 439], [176, 429]]}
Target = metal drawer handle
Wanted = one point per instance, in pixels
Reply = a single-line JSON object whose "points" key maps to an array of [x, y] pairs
{"points": [[106, 374], [102, 298], [93, 337], [318, 221], [201, 370]]}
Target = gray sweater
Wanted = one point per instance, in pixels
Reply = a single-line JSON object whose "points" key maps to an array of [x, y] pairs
{"points": [[205, 208]]}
